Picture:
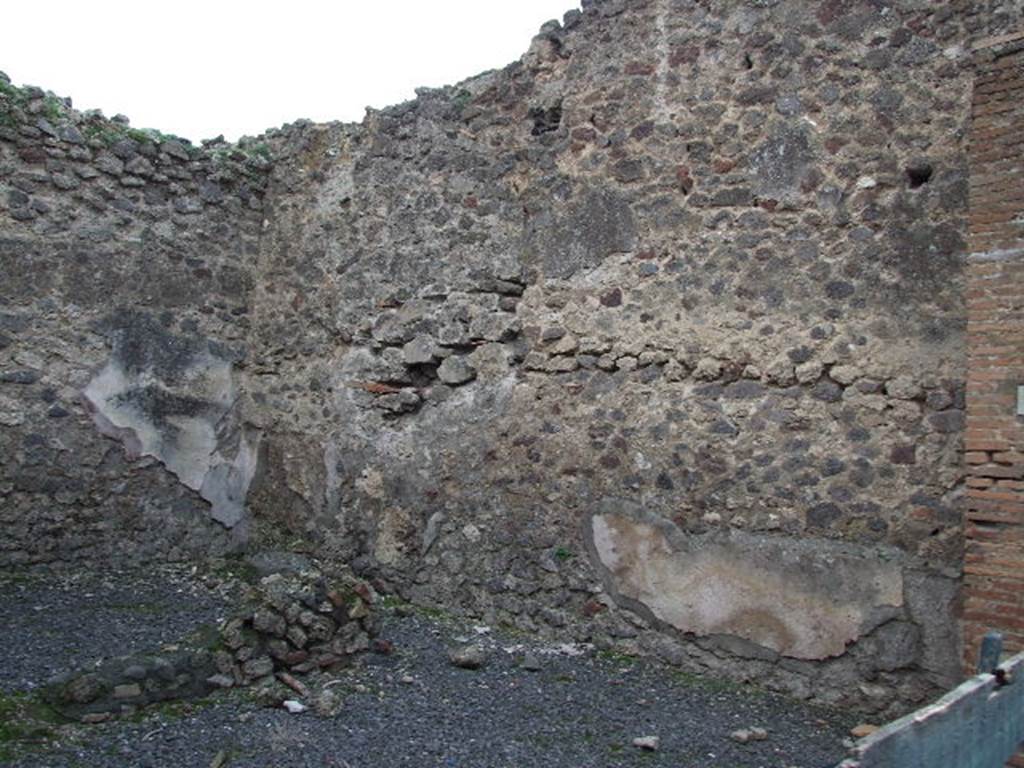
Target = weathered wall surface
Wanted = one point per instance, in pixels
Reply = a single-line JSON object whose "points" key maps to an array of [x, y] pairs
{"points": [[655, 337], [123, 312], [661, 327]]}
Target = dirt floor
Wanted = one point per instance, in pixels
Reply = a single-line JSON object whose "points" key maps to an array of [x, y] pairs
{"points": [[529, 704]]}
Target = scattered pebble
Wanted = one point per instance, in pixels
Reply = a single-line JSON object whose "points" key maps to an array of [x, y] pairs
{"points": [[744, 735], [468, 657], [862, 730], [294, 707], [649, 743], [221, 681]]}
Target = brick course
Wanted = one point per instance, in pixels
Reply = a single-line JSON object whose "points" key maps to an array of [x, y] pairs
{"points": [[994, 438]]}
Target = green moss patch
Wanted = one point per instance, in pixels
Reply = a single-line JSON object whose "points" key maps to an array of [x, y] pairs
{"points": [[26, 723]]}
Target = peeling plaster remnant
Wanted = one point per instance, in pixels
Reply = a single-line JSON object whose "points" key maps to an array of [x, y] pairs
{"points": [[172, 398], [804, 599]]}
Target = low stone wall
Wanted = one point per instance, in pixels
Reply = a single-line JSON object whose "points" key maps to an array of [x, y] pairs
{"points": [[123, 685], [290, 624]]}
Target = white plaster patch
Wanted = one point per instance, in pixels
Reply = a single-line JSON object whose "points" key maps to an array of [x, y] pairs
{"points": [[803, 599], [142, 412]]}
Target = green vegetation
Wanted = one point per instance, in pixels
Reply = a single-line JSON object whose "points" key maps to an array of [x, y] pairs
{"points": [[205, 636], [10, 99], [26, 722], [248, 159], [432, 613], [14, 100], [563, 553], [13, 97], [714, 684], [102, 131], [175, 709], [268, 533], [234, 567], [391, 602], [510, 629], [617, 657], [260, 150], [110, 133], [461, 99], [143, 135], [394, 602], [16, 577], [53, 108]]}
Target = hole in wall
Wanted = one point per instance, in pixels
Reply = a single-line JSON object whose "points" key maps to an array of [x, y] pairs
{"points": [[919, 174], [422, 374], [748, 62], [990, 525], [545, 120]]}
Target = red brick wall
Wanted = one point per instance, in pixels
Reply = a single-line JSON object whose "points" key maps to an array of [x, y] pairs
{"points": [[994, 442]]}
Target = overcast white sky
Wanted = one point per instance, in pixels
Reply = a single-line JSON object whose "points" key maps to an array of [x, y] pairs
{"points": [[199, 69]]}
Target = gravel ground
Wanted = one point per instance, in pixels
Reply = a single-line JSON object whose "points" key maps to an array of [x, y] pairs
{"points": [[412, 707], [50, 625]]}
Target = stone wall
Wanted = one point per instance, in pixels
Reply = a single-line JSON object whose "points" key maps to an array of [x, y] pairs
{"points": [[654, 338], [124, 310]]}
